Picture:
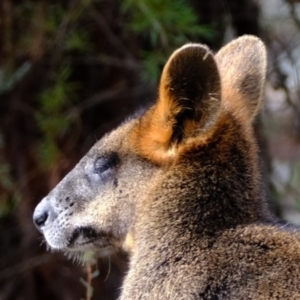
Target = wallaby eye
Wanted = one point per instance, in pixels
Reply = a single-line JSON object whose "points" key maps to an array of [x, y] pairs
{"points": [[104, 164], [101, 165]]}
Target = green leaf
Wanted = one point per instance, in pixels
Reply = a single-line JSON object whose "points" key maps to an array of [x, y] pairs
{"points": [[78, 40], [48, 152]]}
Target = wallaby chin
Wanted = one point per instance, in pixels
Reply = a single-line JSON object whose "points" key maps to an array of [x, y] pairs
{"points": [[179, 188]]}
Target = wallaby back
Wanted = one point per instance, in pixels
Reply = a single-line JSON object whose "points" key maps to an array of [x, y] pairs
{"points": [[179, 188]]}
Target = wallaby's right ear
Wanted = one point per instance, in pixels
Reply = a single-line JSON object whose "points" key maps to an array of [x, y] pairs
{"points": [[188, 104]]}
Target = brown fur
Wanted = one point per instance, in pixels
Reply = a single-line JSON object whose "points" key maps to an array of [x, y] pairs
{"points": [[180, 189]]}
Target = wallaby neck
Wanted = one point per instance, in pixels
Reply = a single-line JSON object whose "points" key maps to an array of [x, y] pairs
{"points": [[156, 268], [184, 213]]}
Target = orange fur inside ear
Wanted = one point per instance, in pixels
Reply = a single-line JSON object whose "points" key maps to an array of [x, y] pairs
{"points": [[152, 135]]}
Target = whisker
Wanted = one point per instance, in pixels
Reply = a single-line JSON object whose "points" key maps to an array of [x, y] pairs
{"points": [[109, 268]]}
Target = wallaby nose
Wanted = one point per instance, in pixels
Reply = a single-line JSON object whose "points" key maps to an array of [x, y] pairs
{"points": [[43, 214], [40, 218]]}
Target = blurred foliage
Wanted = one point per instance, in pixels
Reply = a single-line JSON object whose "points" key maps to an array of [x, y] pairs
{"points": [[89, 260], [51, 117], [166, 25], [8, 79], [6, 183], [57, 31]]}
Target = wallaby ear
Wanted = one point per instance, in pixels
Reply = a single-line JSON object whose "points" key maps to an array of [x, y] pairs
{"points": [[242, 66], [188, 104]]}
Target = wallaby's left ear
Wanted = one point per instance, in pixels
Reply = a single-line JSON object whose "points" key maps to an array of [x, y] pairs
{"points": [[242, 65], [188, 104]]}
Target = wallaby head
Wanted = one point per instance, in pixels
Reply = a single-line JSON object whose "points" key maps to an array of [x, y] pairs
{"points": [[93, 206], [194, 146], [187, 166]]}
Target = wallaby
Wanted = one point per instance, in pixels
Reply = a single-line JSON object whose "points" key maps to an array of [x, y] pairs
{"points": [[179, 187]]}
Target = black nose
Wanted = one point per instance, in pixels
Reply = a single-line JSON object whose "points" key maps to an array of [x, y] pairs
{"points": [[40, 219]]}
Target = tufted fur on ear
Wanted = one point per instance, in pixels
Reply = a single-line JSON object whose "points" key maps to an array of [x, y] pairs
{"points": [[188, 103], [242, 67]]}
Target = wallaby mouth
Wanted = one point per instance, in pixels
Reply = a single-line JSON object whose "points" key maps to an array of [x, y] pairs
{"points": [[89, 238]]}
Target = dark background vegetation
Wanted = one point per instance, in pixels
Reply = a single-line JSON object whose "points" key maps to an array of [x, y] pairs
{"points": [[72, 70]]}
